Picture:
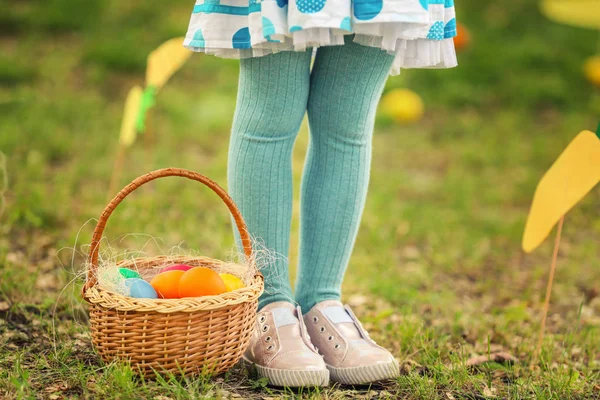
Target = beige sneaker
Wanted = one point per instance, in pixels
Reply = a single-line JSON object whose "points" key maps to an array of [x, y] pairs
{"points": [[351, 356], [281, 350]]}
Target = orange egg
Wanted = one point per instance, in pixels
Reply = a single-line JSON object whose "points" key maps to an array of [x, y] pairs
{"points": [[166, 284], [462, 38], [201, 281]]}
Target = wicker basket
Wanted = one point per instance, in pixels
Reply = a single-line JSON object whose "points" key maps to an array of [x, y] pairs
{"points": [[184, 336]]}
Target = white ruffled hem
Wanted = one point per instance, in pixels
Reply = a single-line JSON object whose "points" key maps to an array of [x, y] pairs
{"points": [[409, 53]]}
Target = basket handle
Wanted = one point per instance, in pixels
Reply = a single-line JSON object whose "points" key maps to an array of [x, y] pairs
{"points": [[142, 180]]}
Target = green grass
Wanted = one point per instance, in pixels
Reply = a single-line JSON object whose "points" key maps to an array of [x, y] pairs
{"points": [[437, 274]]}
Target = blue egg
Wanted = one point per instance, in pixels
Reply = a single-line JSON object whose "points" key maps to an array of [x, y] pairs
{"points": [[140, 289]]}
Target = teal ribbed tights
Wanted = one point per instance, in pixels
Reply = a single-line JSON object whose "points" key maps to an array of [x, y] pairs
{"points": [[340, 95]]}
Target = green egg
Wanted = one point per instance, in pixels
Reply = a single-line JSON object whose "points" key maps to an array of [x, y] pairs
{"points": [[128, 273]]}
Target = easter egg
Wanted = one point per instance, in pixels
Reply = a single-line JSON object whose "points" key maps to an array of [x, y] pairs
{"points": [[111, 279], [128, 273], [166, 284], [232, 282], [178, 267], [462, 40], [201, 281], [591, 69], [402, 105], [140, 289]]}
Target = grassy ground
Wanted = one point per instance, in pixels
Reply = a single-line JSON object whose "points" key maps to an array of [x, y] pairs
{"points": [[437, 275]]}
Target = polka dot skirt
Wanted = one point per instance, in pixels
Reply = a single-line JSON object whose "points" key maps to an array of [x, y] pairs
{"points": [[418, 32]]}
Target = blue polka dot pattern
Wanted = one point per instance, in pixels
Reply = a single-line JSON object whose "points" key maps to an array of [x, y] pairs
{"points": [[346, 24], [436, 32], [367, 9], [198, 40], [234, 28], [268, 27], [310, 6], [450, 29], [241, 39]]}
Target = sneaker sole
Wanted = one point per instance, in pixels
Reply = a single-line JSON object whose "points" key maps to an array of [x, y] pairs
{"points": [[364, 374], [290, 377]]}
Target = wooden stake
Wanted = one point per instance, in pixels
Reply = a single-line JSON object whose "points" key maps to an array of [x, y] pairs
{"points": [[538, 348], [116, 172]]}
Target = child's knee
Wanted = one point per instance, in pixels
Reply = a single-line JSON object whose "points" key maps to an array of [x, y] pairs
{"points": [[349, 127], [271, 121], [268, 130]]}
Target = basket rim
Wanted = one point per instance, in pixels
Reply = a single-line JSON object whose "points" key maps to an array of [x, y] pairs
{"points": [[178, 258], [115, 301], [149, 177]]}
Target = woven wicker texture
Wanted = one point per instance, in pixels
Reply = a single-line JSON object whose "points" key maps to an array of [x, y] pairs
{"points": [[193, 335]]}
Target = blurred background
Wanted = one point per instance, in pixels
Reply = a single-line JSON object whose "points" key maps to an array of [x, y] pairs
{"points": [[438, 273]]}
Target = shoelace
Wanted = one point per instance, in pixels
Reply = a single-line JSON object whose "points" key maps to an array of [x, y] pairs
{"points": [[304, 331], [363, 332]]}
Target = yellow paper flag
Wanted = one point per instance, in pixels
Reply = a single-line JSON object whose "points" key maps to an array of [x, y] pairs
{"points": [[165, 61], [582, 13], [571, 177], [130, 114]]}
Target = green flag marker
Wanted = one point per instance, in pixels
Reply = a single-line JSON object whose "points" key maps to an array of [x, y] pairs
{"points": [[148, 100]]}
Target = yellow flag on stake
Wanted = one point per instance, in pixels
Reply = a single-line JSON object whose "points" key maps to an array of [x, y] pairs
{"points": [[165, 61], [571, 177], [130, 115], [582, 13]]}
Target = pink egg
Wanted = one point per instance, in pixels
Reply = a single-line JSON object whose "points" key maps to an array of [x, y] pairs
{"points": [[178, 267]]}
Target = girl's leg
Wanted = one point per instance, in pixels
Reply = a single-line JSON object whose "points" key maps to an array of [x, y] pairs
{"points": [[271, 102], [345, 86]]}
